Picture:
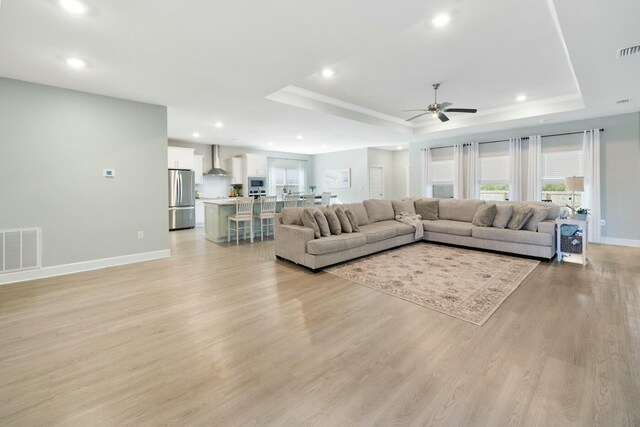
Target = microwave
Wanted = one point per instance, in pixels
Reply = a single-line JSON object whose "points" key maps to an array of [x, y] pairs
{"points": [[257, 182]]}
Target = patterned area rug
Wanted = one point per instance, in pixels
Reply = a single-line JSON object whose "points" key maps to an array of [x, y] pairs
{"points": [[462, 283]]}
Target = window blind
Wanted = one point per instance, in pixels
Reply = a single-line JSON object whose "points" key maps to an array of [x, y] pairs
{"points": [[556, 166], [442, 171], [494, 169]]}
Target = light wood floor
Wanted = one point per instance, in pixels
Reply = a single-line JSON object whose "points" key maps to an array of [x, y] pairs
{"points": [[224, 335]]}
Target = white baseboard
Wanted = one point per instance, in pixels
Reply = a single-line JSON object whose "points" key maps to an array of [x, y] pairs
{"points": [[620, 242], [76, 267]]}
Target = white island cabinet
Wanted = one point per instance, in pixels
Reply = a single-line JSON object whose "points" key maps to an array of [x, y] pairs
{"points": [[216, 214]]}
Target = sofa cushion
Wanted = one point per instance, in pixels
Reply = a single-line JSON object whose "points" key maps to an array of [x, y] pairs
{"points": [[376, 232], [458, 209], [503, 215], [485, 215], [427, 208], [353, 221], [323, 225], [513, 236], [520, 216], [458, 228], [400, 206], [342, 242], [309, 221], [539, 215], [291, 216], [400, 226], [332, 220], [359, 211], [378, 210], [554, 210], [345, 225]]}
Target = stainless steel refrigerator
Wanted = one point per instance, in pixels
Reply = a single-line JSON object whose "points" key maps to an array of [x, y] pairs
{"points": [[182, 202]]}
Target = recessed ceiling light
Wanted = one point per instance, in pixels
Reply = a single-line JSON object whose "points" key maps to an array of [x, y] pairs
{"points": [[399, 147], [76, 63], [196, 135], [299, 136], [521, 98], [219, 125], [324, 145], [327, 73], [270, 143], [441, 20], [73, 6]]}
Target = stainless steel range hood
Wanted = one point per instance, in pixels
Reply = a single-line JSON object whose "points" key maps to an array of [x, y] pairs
{"points": [[216, 169]]}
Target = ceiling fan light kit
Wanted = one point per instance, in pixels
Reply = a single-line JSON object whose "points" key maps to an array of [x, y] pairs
{"points": [[438, 110]]}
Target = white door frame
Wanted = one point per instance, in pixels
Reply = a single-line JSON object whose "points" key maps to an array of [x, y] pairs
{"points": [[381, 177]]}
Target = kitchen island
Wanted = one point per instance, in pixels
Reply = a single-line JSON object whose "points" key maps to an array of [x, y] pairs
{"points": [[217, 212]]}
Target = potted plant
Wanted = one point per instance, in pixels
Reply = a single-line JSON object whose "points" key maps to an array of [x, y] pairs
{"points": [[581, 214]]}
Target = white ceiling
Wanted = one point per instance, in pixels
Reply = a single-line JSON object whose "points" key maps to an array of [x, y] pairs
{"points": [[255, 65]]}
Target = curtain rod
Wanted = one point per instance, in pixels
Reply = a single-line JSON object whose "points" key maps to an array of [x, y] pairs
{"points": [[506, 140]]}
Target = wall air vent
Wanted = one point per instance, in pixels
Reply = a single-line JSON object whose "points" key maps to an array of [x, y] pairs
{"points": [[627, 51], [622, 101], [20, 249]]}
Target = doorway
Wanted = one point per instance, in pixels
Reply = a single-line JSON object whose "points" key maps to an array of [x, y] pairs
{"points": [[376, 182]]}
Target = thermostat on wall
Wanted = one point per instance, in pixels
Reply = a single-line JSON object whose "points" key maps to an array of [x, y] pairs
{"points": [[109, 173]]}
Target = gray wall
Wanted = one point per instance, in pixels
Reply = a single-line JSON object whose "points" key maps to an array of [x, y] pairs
{"points": [[356, 160], [400, 163], [620, 163], [54, 145]]}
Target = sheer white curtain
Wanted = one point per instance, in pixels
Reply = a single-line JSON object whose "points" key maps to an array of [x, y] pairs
{"points": [[458, 171], [427, 189], [591, 196], [534, 179], [515, 170], [472, 190]]}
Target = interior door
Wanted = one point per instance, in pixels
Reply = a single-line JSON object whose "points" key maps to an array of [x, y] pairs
{"points": [[376, 182]]}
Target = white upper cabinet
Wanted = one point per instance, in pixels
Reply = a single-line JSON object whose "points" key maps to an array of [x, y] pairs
{"points": [[236, 169], [180, 158], [256, 165], [198, 168]]}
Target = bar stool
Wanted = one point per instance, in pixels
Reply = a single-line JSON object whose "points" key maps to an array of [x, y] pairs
{"points": [[326, 198], [244, 214], [267, 214], [308, 200], [291, 200]]}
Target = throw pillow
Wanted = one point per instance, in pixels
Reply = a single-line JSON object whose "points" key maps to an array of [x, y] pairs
{"points": [[309, 221], [485, 215], [539, 214], [520, 216], [352, 220], [427, 208], [323, 225], [400, 206], [359, 212], [332, 220], [292, 216], [378, 210], [503, 215], [342, 217]]}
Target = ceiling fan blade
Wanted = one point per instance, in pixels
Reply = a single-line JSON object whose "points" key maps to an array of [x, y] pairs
{"points": [[444, 105], [404, 111], [442, 117], [419, 115], [461, 110]]}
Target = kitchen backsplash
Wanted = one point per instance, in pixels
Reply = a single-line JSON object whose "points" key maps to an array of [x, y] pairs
{"points": [[214, 186]]}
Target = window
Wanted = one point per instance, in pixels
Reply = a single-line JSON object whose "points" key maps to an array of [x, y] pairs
{"points": [[442, 178], [494, 178], [556, 166], [286, 175]]}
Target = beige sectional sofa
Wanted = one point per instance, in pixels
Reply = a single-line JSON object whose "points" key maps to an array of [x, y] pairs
{"points": [[379, 231]]}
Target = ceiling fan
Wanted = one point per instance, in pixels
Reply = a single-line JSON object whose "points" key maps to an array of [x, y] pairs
{"points": [[438, 110]]}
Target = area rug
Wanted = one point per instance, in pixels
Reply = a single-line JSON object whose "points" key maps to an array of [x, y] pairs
{"points": [[467, 284]]}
